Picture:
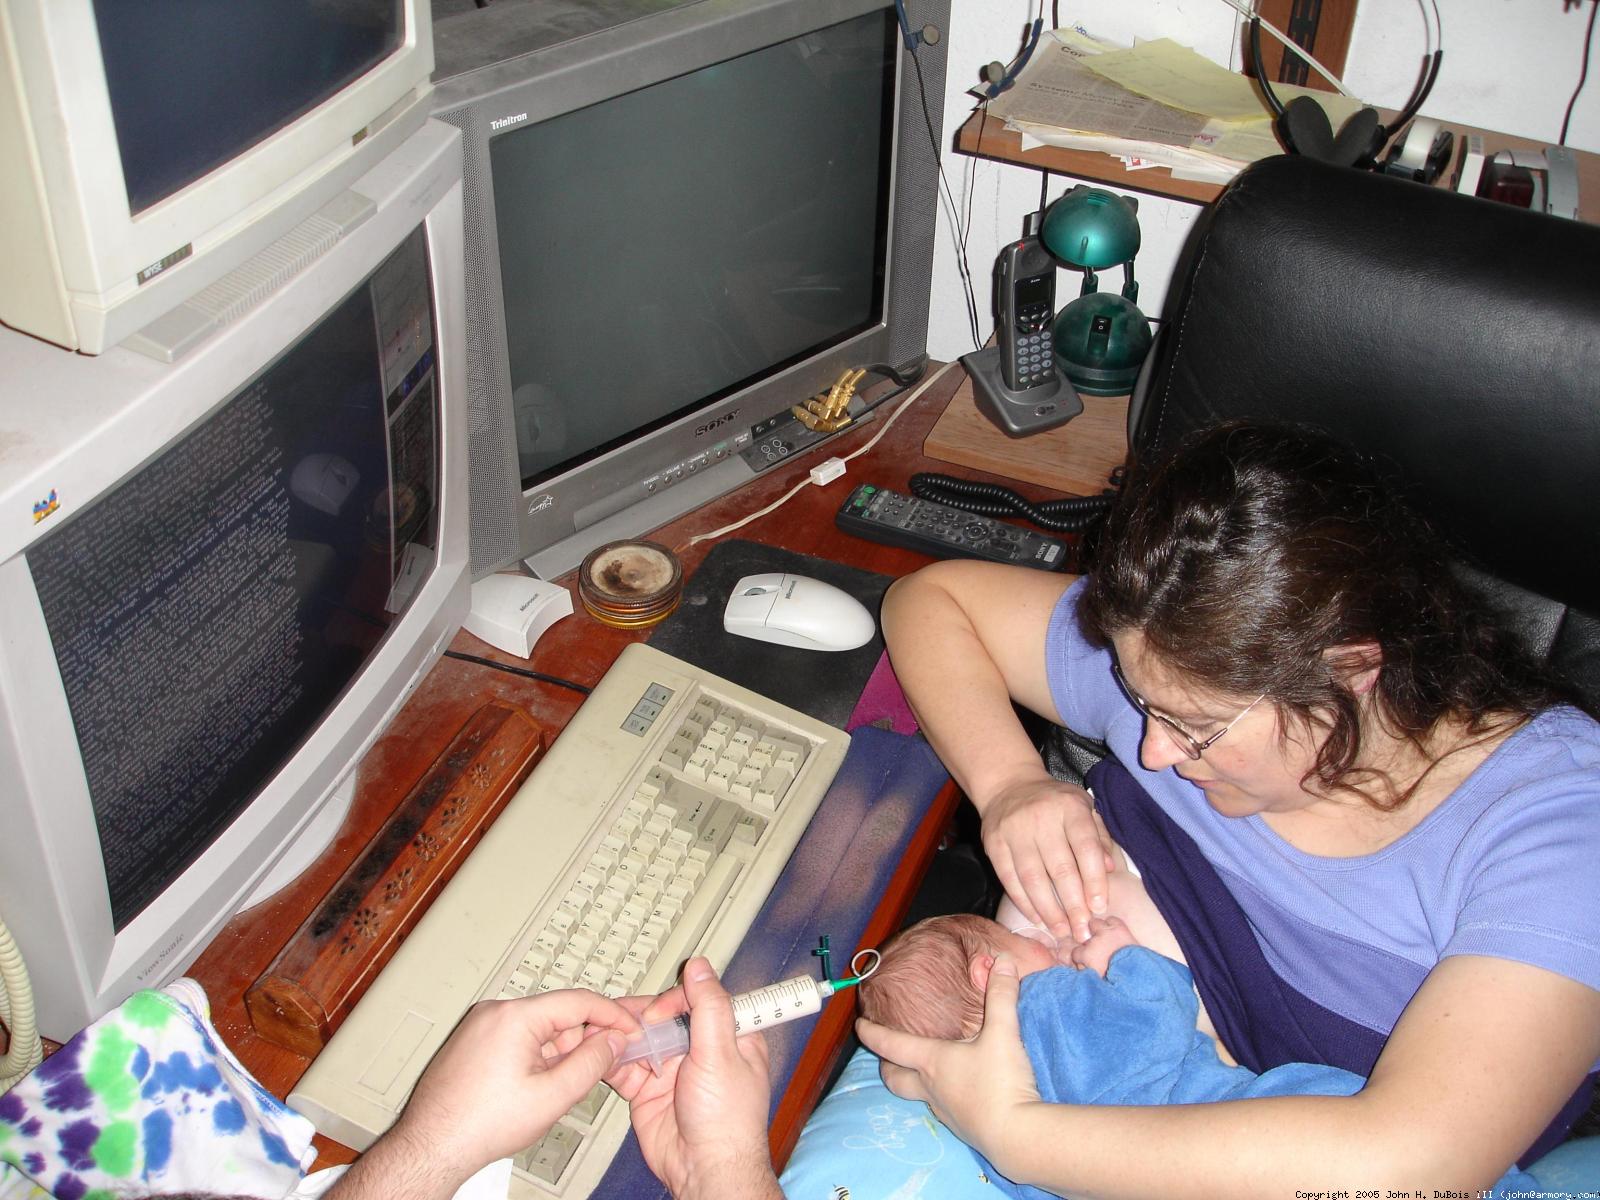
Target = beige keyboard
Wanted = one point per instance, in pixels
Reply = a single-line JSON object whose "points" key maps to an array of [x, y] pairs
{"points": [[652, 830]]}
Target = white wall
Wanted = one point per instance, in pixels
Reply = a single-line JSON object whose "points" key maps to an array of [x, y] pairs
{"points": [[1509, 65]]}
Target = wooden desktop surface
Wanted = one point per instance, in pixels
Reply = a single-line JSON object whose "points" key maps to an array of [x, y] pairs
{"points": [[580, 649]]}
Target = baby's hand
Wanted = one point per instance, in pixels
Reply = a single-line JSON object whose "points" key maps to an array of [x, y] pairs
{"points": [[1107, 935]]}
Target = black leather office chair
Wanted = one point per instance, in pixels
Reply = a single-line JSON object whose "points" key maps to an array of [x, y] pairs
{"points": [[1457, 339]]}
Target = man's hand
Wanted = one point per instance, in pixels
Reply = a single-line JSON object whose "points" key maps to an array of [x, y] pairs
{"points": [[495, 1087], [702, 1123]]}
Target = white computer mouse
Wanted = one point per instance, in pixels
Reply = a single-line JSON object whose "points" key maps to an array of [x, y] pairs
{"points": [[324, 481], [794, 610]]}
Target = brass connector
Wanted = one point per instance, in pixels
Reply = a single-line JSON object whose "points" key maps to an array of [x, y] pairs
{"points": [[828, 412]]}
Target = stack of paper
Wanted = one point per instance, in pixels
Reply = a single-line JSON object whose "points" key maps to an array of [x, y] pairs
{"points": [[1158, 104]]}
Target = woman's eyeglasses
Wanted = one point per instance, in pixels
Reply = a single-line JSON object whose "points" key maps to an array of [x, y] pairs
{"points": [[1186, 741]]}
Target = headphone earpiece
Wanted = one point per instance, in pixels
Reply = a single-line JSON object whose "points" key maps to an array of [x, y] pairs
{"points": [[1305, 129], [998, 77]]}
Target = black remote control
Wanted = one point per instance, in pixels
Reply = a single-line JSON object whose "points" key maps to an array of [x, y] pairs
{"points": [[881, 515]]}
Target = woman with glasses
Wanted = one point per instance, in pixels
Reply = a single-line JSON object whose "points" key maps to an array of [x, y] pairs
{"points": [[1370, 822]]}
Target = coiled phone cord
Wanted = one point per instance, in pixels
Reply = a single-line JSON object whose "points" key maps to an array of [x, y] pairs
{"points": [[1073, 514], [16, 1009]]}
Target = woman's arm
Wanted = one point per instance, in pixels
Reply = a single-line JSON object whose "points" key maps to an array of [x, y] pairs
{"points": [[966, 639], [1482, 1059]]}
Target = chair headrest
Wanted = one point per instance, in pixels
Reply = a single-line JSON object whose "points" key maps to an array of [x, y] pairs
{"points": [[1458, 339]]}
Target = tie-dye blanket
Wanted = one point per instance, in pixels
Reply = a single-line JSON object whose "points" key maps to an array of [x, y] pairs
{"points": [[148, 1099]]}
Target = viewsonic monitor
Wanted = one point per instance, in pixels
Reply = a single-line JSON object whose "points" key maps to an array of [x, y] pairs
{"points": [[682, 220], [222, 577]]}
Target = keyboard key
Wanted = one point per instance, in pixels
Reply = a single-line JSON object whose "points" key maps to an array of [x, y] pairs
{"points": [[562, 922], [627, 976], [791, 753], [680, 748], [549, 940], [774, 785], [549, 1156], [582, 944], [536, 962], [585, 1109], [714, 834], [749, 829]]}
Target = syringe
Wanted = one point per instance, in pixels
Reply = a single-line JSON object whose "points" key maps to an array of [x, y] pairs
{"points": [[775, 1004]]}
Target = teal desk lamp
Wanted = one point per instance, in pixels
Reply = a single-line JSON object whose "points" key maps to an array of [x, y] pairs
{"points": [[1101, 338]]}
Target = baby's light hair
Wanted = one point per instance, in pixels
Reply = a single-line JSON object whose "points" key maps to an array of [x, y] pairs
{"points": [[923, 985]]}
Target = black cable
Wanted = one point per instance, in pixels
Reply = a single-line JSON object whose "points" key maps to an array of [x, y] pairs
{"points": [[525, 671], [899, 390], [1072, 515], [963, 268], [1583, 73], [903, 379]]}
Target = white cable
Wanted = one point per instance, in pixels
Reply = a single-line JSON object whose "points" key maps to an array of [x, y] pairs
{"points": [[807, 482], [1248, 11], [16, 1009]]}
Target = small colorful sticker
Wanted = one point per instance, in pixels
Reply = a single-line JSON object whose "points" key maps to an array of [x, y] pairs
{"points": [[43, 508]]}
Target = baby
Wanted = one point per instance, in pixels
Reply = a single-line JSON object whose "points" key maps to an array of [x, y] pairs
{"points": [[932, 977], [1109, 1021]]}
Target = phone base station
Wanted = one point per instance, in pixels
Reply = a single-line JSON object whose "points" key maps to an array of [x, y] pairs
{"points": [[1019, 413]]}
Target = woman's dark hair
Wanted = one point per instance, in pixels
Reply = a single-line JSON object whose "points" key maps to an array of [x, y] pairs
{"points": [[1251, 550]]}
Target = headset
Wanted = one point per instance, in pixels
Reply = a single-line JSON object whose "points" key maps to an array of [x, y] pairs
{"points": [[1305, 129], [998, 77], [914, 37]]}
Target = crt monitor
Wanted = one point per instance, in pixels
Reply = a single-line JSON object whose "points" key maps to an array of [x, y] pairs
{"points": [[681, 221], [222, 577], [151, 147]]}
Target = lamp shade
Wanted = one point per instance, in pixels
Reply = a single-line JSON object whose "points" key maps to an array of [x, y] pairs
{"points": [[1091, 228]]}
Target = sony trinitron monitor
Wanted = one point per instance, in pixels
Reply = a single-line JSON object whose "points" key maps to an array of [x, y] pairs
{"points": [[1304, 127]]}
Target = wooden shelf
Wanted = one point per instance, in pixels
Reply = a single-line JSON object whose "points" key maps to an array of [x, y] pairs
{"points": [[988, 138]]}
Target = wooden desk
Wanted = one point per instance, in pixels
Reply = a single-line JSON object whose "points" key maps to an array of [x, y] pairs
{"points": [[988, 138], [580, 649]]}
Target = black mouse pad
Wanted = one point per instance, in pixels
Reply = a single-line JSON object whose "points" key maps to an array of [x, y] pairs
{"points": [[820, 683]]}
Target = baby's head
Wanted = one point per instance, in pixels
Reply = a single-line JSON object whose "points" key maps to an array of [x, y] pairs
{"points": [[932, 977]]}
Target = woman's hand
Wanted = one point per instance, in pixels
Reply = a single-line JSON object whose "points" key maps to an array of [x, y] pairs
{"points": [[974, 1087], [1052, 854], [702, 1122]]}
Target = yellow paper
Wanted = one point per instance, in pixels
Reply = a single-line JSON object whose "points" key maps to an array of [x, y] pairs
{"points": [[1178, 76]]}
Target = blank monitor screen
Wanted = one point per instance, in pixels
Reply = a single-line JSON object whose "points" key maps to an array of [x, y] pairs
{"points": [[668, 246], [206, 613], [194, 85]]}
